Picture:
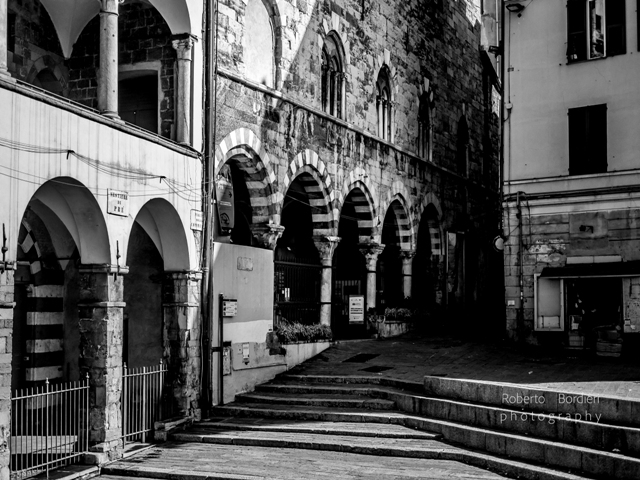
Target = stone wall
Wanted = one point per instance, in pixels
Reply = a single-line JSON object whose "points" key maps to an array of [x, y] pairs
{"points": [[417, 41], [6, 328], [547, 241]]}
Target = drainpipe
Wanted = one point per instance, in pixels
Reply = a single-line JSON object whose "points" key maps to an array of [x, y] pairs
{"points": [[520, 325]]}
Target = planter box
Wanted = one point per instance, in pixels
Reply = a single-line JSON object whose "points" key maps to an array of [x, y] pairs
{"points": [[392, 328]]}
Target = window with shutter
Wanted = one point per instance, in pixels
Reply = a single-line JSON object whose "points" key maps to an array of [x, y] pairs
{"points": [[588, 140], [595, 29]]}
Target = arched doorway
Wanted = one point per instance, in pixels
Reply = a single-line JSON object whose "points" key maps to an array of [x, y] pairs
{"points": [[349, 264], [297, 262], [157, 259], [59, 324], [427, 274]]}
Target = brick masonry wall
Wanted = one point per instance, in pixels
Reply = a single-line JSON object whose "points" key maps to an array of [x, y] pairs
{"points": [[143, 34], [547, 242], [442, 45]]}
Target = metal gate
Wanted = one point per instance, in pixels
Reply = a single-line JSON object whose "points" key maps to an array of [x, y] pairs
{"points": [[297, 291], [342, 288], [49, 427], [145, 400]]}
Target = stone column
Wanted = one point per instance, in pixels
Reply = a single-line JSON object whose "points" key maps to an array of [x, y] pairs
{"points": [[380, 115], [391, 118], [3, 37], [267, 236], [183, 108], [371, 251], [100, 309], [343, 96], [181, 339], [326, 246], [407, 262], [108, 73], [6, 333]]}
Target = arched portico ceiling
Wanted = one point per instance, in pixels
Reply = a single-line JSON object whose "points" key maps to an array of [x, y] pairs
{"points": [[405, 235], [69, 17], [165, 228], [80, 213]]}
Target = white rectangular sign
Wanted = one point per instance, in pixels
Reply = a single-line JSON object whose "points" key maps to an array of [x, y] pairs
{"points": [[196, 220], [118, 203], [356, 309], [229, 307]]}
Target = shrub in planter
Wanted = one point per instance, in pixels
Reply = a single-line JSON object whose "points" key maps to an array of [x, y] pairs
{"points": [[294, 332]]}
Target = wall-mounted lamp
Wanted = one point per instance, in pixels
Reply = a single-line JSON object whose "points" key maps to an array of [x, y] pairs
{"points": [[515, 6]]}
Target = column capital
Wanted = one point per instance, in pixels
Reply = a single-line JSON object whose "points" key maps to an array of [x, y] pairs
{"points": [[267, 235], [407, 255], [326, 245], [109, 7], [184, 47], [371, 251]]}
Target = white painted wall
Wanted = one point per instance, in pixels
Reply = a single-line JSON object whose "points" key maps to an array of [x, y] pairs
{"points": [[542, 87], [252, 288], [35, 123]]}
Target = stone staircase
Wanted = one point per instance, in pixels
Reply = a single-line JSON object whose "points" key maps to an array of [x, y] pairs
{"points": [[478, 423]]}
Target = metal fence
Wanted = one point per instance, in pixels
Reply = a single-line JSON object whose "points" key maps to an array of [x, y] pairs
{"points": [[145, 400], [49, 427], [297, 292]]}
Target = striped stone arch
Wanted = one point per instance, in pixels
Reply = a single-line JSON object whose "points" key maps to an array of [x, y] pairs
{"points": [[362, 192], [314, 176], [245, 149], [398, 199], [434, 224]]}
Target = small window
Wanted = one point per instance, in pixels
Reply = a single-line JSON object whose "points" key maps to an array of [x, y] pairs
{"points": [[596, 29], [588, 140], [462, 146], [424, 126], [384, 105], [332, 79], [138, 101]]}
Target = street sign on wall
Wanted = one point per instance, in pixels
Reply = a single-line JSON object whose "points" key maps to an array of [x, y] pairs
{"points": [[118, 203]]}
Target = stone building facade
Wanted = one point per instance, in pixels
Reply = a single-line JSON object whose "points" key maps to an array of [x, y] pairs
{"points": [[361, 138]]}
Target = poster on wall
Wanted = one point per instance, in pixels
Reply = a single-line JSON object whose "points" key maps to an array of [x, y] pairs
{"points": [[356, 309]]}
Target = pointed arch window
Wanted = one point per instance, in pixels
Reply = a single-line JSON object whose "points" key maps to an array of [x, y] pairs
{"points": [[384, 102], [424, 126], [333, 78], [462, 144]]}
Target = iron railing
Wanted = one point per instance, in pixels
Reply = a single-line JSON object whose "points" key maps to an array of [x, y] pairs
{"points": [[144, 401], [49, 427]]}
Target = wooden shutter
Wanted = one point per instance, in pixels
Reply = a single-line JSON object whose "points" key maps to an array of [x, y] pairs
{"points": [[596, 137], [616, 32], [576, 30], [577, 140]]}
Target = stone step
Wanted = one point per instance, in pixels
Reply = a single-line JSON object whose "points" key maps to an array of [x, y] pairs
{"points": [[612, 410], [580, 428], [189, 461], [317, 428], [540, 451], [319, 400]]}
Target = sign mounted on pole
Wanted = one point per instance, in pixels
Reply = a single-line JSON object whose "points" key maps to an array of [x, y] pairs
{"points": [[356, 309], [196, 220], [117, 203]]}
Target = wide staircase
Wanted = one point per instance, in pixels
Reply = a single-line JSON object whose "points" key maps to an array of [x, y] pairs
{"points": [[512, 430]]}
